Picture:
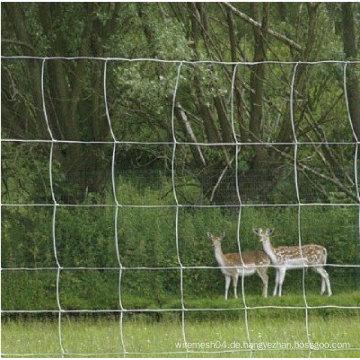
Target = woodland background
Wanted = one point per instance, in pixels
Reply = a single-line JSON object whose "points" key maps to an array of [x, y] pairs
{"points": [[140, 98]]}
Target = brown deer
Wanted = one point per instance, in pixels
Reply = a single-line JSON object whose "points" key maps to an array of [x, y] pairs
{"points": [[295, 257], [240, 264]]}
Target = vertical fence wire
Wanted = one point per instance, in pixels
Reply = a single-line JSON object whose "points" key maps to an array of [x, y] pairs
{"points": [[55, 205], [116, 214], [238, 228], [173, 177], [293, 127], [356, 138]]}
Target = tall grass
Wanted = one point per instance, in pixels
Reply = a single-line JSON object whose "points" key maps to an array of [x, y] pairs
{"points": [[101, 337]]}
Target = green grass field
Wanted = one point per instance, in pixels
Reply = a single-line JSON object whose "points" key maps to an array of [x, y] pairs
{"points": [[101, 337], [207, 332]]}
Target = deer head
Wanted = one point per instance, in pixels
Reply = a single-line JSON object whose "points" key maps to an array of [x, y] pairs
{"points": [[216, 240], [263, 234]]}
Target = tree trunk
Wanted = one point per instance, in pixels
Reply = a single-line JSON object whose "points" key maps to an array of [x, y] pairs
{"points": [[350, 49]]}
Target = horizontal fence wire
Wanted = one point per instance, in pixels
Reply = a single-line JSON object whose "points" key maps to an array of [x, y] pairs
{"points": [[195, 352], [180, 309], [183, 310], [171, 143], [184, 205], [120, 59], [187, 267]]}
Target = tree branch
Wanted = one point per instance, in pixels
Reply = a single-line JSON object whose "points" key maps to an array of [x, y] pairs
{"points": [[17, 42], [179, 111], [271, 32]]}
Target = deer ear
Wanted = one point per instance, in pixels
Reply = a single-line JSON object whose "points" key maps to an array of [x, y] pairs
{"points": [[270, 231], [210, 235], [222, 235], [256, 231]]}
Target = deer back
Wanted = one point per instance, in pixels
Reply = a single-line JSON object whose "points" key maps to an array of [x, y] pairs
{"points": [[256, 257], [314, 254]]}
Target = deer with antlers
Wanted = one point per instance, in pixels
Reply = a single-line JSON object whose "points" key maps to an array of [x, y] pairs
{"points": [[295, 257], [240, 264]]}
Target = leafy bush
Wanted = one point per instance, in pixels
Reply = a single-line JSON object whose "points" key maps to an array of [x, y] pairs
{"points": [[85, 237]]}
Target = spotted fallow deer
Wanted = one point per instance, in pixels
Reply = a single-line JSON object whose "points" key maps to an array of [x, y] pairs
{"points": [[295, 257], [235, 265]]}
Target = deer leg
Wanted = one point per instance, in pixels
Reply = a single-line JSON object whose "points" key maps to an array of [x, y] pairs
{"points": [[227, 284], [276, 282], [265, 279], [323, 286], [282, 273], [235, 283], [325, 282]]}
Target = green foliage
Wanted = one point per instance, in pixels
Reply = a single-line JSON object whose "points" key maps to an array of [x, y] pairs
{"points": [[85, 237]]}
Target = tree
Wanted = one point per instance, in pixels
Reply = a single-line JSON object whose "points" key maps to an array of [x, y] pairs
{"points": [[140, 94], [351, 53], [74, 93]]}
